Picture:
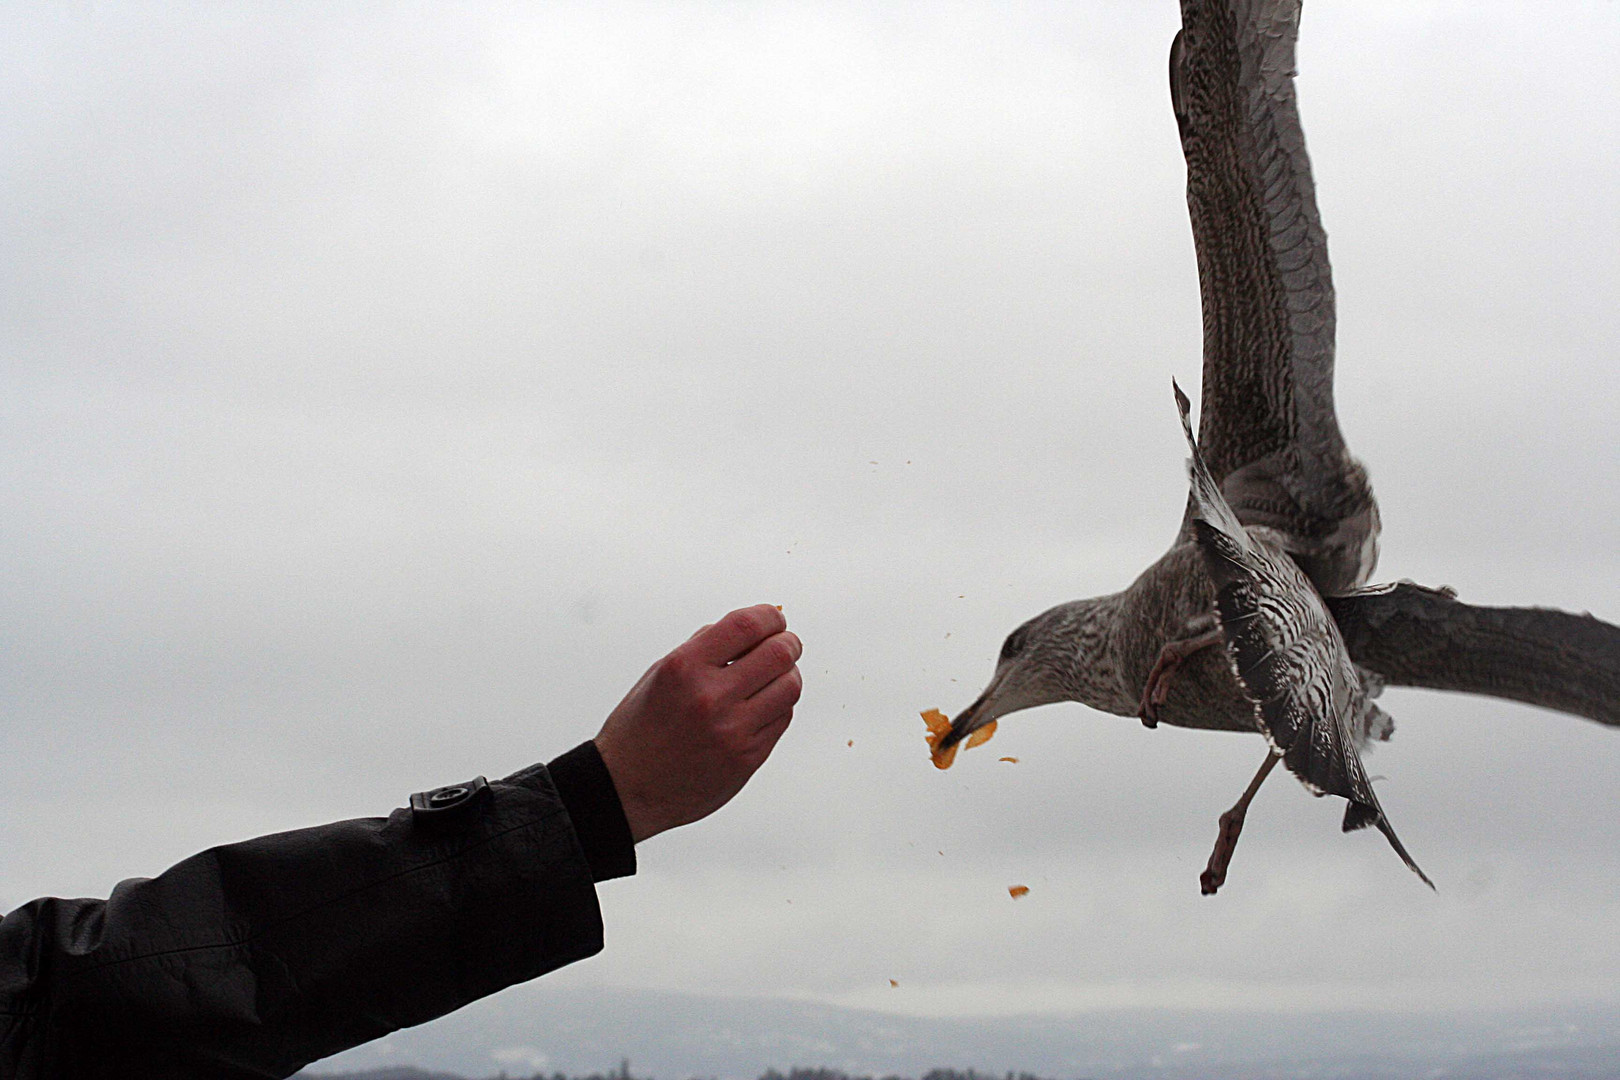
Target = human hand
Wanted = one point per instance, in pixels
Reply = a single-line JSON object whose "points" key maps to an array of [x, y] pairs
{"points": [[690, 733]]}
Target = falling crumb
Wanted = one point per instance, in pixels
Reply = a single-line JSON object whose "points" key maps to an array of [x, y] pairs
{"points": [[1009, 760], [1018, 892], [894, 984], [850, 743]]}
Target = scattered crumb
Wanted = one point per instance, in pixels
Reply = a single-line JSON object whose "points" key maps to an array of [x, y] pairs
{"points": [[894, 984], [850, 743], [1018, 892], [778, 607], [1010, 760]]}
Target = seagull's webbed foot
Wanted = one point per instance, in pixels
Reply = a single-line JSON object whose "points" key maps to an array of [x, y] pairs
{"points": [[1214, 875], [1157, 688]]}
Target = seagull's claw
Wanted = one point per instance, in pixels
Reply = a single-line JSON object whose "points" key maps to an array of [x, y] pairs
{"points": [[1214, 875], [1156, 691]]}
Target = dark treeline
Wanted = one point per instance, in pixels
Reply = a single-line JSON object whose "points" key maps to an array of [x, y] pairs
{"points": [[932, 1074], [623, 1073]]}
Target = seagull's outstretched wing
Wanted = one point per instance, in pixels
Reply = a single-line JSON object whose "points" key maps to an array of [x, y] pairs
{"points": [[1413, 636], [1267, 424], [1289, 658]]}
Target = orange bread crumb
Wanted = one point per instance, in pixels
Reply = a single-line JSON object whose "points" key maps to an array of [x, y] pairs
{"points": [[938, 728], [1018, 892]]}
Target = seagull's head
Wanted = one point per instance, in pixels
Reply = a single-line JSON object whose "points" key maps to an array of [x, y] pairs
{"points": [[1052, 657]]}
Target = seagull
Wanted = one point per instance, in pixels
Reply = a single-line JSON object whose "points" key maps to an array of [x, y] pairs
{"points": [[1259, 618]]}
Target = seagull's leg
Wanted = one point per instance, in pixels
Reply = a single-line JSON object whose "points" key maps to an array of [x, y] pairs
{"points": [[1214, 874], [1157, 688]]}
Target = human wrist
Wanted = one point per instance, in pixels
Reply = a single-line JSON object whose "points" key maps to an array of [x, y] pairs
{"points": [[601, 822]]}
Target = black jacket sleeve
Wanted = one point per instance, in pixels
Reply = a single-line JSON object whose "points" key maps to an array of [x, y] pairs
{"points": [[253, 959]]}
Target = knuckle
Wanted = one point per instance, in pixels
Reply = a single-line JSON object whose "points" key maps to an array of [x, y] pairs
{"points": [[751, 622], [779, 652], [684, 674], [676, 667], [706, 701]]}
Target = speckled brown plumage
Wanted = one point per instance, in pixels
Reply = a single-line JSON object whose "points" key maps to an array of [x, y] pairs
{"points": [[1279, 470], [1286, 652], [1267, 422]]}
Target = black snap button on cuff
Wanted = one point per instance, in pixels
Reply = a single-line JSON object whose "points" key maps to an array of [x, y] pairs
{"points": [[449, 805]]}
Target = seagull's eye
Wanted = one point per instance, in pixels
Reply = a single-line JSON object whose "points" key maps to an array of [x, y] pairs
{"points": [[1014, 644]]}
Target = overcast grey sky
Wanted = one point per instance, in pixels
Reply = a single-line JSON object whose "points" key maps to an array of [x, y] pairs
{"points": [[384, 387]]}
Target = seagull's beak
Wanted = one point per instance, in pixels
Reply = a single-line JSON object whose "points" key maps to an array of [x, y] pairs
{"points": [[975, 716]]}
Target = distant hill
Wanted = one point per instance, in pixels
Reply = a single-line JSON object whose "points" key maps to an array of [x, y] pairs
{"points": [[536, 1030]]}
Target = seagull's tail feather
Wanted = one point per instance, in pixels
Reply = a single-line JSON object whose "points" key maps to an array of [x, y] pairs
{"points": [[1359, 815], [1209, 505], [1400, 849]]}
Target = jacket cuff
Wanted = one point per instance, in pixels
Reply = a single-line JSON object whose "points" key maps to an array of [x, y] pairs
{"points": [[586, 788]]}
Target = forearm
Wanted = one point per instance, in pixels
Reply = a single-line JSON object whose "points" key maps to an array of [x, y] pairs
{"points": [[254, 958]]}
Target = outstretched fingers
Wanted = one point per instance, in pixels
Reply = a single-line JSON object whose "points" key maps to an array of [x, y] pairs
{"points": [[773, 711], [773, 705], [736, 634], [764, 664]]}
